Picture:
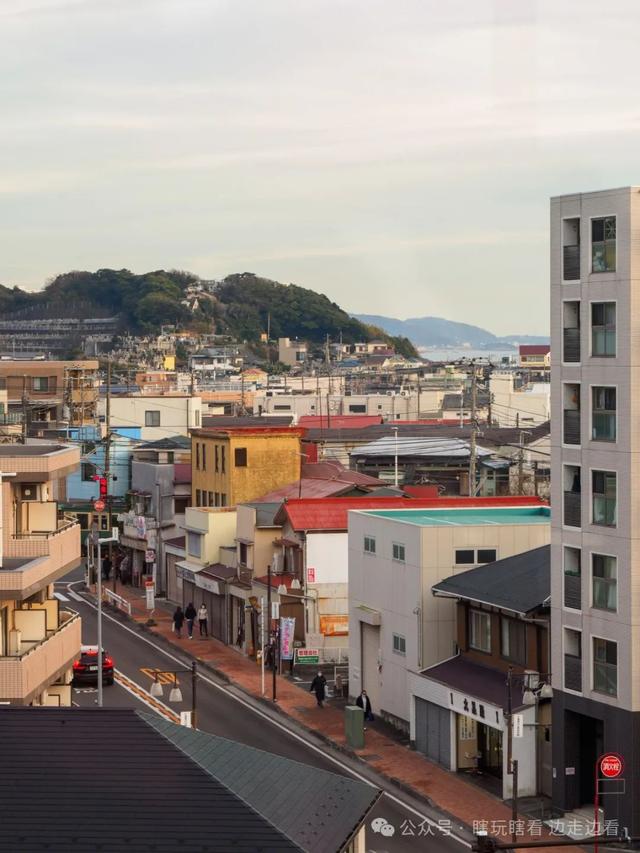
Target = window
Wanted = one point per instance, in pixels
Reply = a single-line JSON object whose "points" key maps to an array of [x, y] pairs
{"points": [[41, 383], [240, 455], [603, 413], [604, 576], [88, 471], [204, 498], [196, 416], [603, 244], [399, 644], [211, 500], [358, 408], [152, 419], [513, 640], [198, 497], [223, 499], [369, 545], [605, 666], [474, 556], [204, 457], [194, 544], [217, 464], [398, 552], [280, 407], [603, 329], [243, 553], [480, 630], [572, 577], [197, 455], [223, 451], [603, 487]]}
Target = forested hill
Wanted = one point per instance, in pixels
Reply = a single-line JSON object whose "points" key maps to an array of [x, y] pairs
{"points": [[242, 305]]}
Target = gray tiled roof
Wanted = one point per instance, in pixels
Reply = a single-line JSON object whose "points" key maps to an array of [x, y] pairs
{"points": [[520, 583], [318, 810]]}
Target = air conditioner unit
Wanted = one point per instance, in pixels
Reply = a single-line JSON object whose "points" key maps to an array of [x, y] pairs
{"points": [[28, 492]]}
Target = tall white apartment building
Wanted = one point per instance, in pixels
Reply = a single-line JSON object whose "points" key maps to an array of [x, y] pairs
{"points": [[595, 438]]}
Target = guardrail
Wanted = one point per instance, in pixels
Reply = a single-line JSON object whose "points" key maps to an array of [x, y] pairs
{"points": [[116, 600]]}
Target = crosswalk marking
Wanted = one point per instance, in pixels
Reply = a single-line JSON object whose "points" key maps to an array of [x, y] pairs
{"points": [[75, 595], [60, 596]]}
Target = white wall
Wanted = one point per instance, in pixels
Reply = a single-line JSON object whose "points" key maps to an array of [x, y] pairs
{"points": [[177, 414], [526, 408], [327, 553]]}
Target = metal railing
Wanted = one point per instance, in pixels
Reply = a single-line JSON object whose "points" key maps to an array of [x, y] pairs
{"points": [[573, 509], [573, 672], [571, 432], [573, 591], [571, 263], [64, 523], [571, 345], [50, 634]]}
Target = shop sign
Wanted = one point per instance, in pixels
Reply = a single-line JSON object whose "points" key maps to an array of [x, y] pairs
{"points": [[517, 722], [311, 574], [149, 556], [611, 765], [308, 655], [209, 584], [472, 707], [287, 628], [185, 574], [334, 626]]}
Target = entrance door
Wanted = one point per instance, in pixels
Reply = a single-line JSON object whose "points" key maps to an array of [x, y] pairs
{"points": [[370, 645], [490, 750], [590, 748]]}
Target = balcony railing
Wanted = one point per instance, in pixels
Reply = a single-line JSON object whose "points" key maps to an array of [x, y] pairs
{"points": [[573, 672], [571, 263], [24, 675], [34, 561], [573, 591], [571, 345], [573, 509], [571, 433]]}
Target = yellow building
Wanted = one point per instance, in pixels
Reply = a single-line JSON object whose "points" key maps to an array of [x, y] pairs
{"points": [[39, 639], [232, 466]]}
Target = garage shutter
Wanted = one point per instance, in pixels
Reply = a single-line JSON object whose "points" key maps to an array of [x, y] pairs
{"points": [[433, 732]]}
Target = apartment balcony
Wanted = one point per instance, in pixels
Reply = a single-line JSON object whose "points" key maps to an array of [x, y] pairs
{"points": [[38, 463], [571, 426], [33, 560], [573, 509], [571, 345], [571, 263], [573, 673], [32, 666], [573, 591]]}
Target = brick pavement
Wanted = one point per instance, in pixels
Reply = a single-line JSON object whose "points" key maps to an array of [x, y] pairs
{"points": [[447, 791]]}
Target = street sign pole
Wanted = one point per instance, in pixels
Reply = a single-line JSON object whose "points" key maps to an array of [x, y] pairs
{"points": [[262, 615], [99, 593]]}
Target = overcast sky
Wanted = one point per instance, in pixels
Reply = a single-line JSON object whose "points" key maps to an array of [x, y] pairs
{"points": [[397, 155]]}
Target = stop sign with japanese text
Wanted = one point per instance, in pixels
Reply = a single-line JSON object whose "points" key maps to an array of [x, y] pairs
{"points": [[611, 765]]}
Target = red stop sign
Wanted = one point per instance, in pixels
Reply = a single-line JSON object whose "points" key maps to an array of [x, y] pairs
{"points": [[98, 505], [611, 765]]}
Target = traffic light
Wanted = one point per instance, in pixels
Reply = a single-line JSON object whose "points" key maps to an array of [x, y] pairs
{"points": [[103, 486]]}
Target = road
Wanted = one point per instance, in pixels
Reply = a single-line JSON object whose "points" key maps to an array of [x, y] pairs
{"points": [[223, 711]]}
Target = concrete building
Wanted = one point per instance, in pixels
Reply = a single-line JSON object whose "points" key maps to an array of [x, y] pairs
{"points": [[535, 357], [396, 626], [293, 353], [526, 406], [158, 416], [595, 446], [233, 466], [39, 639], [393, 406]]}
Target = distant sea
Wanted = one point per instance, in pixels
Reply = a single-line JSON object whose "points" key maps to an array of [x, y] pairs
{"points": [[456, 353]]}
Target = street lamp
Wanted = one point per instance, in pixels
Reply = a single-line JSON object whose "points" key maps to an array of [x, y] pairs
{"points": [[175, 694]]}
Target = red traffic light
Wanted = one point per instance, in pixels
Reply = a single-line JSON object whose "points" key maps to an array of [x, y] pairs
{"points": [[103, 485]]}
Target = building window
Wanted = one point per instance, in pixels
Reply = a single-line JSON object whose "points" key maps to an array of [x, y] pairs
{"points": [[152, 419], [604, 575], [194, 544], [196, 416], [87, 471], [572, 577], [280, 407], [513, 640], [223, 463], [605, 666], [243, 554], [474, 556], [398, 552], [369, 545], [197, 455], [223, 499], [40, 383], [211, 499], [198, 497], [240, 457], [358, 408], [204, 457], [480, 630], [603, 329], [204, 498], [217, 463], [603, 413], [603, 244], [603, 488], [399, 644]]}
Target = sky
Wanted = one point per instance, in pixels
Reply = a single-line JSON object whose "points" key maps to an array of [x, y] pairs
{"points": [[397, 155]]}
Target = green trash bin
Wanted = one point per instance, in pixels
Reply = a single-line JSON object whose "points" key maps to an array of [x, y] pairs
{"points": [[354, 726]]}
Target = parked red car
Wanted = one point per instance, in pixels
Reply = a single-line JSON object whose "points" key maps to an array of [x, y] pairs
{"points": [[85, 669]]}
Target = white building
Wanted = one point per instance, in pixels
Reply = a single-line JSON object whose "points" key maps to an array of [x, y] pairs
{"points": [[157, 416], [396, 626], [528, 406]]}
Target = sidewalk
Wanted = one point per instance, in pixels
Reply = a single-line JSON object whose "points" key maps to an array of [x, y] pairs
{"points": [[445, 790]]}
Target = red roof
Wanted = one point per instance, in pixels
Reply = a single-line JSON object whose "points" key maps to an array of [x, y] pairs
{"points": [[338, 421], [182, 472], [322, 480], [534, 349], [333, 513], [276, 580], [421, 491], [248, 430]]}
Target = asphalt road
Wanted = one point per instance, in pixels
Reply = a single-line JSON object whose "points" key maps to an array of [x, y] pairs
{"points": [[223, 711]]}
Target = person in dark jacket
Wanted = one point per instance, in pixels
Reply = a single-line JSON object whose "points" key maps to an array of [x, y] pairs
{"points": [[364, 702], [190, 616], [178, 621], [318, 686]]}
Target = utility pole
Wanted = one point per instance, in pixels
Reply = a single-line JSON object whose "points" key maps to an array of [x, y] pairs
{"points": [[24, 409], [271, 645], [107, 465], [512, 763], [395, 457], [521, 465], [474, 430]]}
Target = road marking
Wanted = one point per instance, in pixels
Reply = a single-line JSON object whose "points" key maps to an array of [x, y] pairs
{"points": [[75, 595], [60, 596], [162, 677], [143, 696], [322, 752]]}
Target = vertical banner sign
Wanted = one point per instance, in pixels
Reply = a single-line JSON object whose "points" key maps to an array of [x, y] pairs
{"points": [[287, 628], [149, 587]]}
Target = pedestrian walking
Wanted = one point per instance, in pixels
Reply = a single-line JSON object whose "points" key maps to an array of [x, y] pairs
{"points": [[318, 686], [203, 620], [178, 621], [106, 567], [364, 702], [190, 616]]}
